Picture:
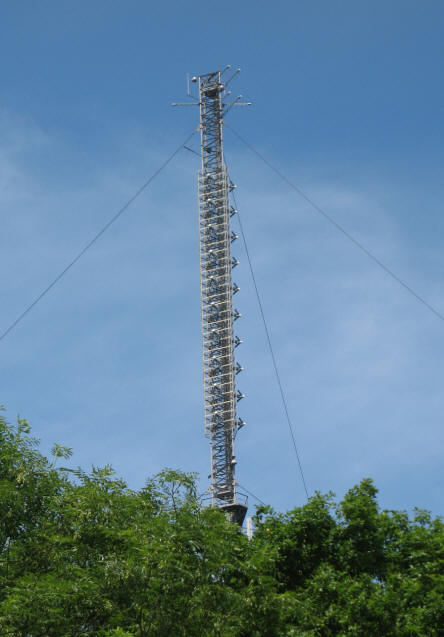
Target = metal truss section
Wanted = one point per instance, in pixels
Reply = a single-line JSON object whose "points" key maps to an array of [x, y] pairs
{"points": [[218, 313]]}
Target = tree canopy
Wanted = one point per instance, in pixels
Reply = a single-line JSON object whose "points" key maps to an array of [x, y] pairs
{"points": [[83, 554]]}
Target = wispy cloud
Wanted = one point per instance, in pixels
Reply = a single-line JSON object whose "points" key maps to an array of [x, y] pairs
{"points": [[109, 362]]}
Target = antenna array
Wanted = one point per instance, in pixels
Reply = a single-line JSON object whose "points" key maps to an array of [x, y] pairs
{"points": [[217, 290]]}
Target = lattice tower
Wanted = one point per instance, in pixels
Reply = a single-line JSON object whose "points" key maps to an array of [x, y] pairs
{"points": [[217, 290]]}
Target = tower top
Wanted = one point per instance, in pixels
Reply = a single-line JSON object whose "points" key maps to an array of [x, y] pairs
{"points": [[214, 81]]}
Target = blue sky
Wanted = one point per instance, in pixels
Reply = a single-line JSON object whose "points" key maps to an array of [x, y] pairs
{"points": [[349, 103]]}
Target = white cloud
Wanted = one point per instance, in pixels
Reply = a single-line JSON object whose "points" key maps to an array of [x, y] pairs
{"points": [[109, 361]]}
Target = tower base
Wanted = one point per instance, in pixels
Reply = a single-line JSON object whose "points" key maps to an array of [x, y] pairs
{"points": [[235, 512]]}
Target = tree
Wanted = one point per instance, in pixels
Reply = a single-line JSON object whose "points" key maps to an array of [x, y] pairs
{"points": [[86, 555], [352, 569], [82, 554]]}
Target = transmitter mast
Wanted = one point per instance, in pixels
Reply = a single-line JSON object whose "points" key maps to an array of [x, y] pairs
{"points": [[217, 290]]}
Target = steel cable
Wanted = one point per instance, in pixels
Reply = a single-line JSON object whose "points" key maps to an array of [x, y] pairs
{"points": [[270, 347], [95, 238], [338, 226]]}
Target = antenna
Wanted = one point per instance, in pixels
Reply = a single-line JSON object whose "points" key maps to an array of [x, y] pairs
{"points": [[218, 313], [217, 310], [233, 76]]}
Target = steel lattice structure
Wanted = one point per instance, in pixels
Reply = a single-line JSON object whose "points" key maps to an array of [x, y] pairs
{"points": [[217, 289]]}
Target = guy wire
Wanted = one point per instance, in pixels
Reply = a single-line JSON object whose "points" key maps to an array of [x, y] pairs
{"points": [[270, 347], [95, 238], [338, 226]]}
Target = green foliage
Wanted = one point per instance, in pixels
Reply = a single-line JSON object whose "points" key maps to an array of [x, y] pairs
{"points": [[351, 569], [82, 554]]}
